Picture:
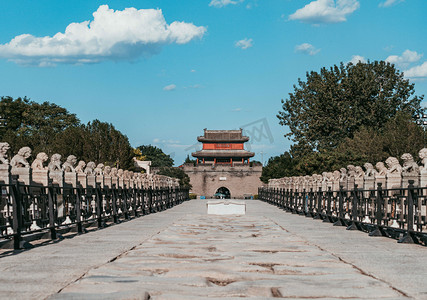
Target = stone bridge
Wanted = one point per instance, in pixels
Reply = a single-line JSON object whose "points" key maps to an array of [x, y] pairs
{"points": [[183, 253]]}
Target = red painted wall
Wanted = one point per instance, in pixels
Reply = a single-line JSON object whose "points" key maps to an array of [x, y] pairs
{"points": [[222, 146]]}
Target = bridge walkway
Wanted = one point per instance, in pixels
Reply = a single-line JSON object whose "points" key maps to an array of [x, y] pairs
{"points": [[182, 253]]}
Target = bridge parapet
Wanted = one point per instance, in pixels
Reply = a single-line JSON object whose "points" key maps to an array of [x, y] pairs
{"points": [[49, 198]]}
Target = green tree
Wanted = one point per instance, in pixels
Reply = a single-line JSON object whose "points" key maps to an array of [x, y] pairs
{"points": [[333, 104], [278, 166], [184, 179], [33, 124], [188, 160], [157, 157]]}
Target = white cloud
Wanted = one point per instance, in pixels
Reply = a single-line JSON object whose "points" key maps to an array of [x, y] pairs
{"points": [[325, 11], [355, 59], [194, 86], [244, 44], [111, 35], [306, 48], [237, 109], [193, 71], [405, 59], [417, 71], [389, 3], [169, 87], [222, 3]]}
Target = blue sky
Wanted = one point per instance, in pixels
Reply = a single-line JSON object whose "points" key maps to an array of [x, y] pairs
{"points": [[161, 71]]}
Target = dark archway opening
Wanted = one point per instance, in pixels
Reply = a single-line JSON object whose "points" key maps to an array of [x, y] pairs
{"points": [[223, 193]]}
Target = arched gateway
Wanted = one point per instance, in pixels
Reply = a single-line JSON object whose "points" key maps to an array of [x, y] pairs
{"points": [[224, 162], [223, 193]]}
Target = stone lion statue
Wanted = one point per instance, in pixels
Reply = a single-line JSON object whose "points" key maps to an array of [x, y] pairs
{"points": [[358, 172], [120, 173], [80, 169], [370, 171], [90, 168], [69, 164], [126, 174], [344, 175], [382, 169], [4, 147], [409, 165], [351, 171], [20, 159], [393, 165], [114, 172], [39, 162], [423, 155], [99, 170], [336, 175], [55, 163], [107, 171]]}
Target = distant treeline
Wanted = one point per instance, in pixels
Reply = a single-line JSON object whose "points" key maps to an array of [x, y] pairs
{"points": [[50, 128]]}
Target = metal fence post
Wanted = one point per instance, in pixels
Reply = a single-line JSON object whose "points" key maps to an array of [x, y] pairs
{"points": [[407, 237], [340, 221], [354, 210], [378, 212], [17, 217], [78, 211], [52, 219]]}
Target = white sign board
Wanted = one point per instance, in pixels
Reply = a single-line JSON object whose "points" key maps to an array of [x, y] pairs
{"points": [[223, 178], [224, 207]]}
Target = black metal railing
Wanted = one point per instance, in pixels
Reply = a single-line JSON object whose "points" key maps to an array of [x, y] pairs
{"points": [[398, 213], [31, 209]]}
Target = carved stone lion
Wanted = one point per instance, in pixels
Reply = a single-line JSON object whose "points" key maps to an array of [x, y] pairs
{"points": [[336, 175], [99, 170], [90, 168], [4, 147], [358, 172], [393, 165], [114, 172], [69, 164], [423, 155], [351, 171], [39, 162], [55, 163], [344, 175], [382, 169], [409, 165], [20, 159], [120, 173], [370, 171], [107, 171], [80, 169]]}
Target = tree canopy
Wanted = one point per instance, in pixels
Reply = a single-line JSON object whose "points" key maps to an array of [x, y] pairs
{"points": [[157, 157], [333, 104], [348, 114], [176, 172], [50, 128]]}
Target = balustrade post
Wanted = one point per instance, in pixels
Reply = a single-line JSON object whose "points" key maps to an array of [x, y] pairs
{"points": [[98, 201], [17, 215], [318, 215], [328, 215], [407, 237], [52, 216], [378, 212], [78, 210], [354, 210], [340, 214]]}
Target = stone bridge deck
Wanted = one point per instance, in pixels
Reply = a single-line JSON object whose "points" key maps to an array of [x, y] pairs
{"points": [[182, 253]]}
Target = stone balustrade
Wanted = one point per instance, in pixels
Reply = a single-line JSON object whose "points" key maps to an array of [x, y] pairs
{"points": [[73, 174], [391, 174]]}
